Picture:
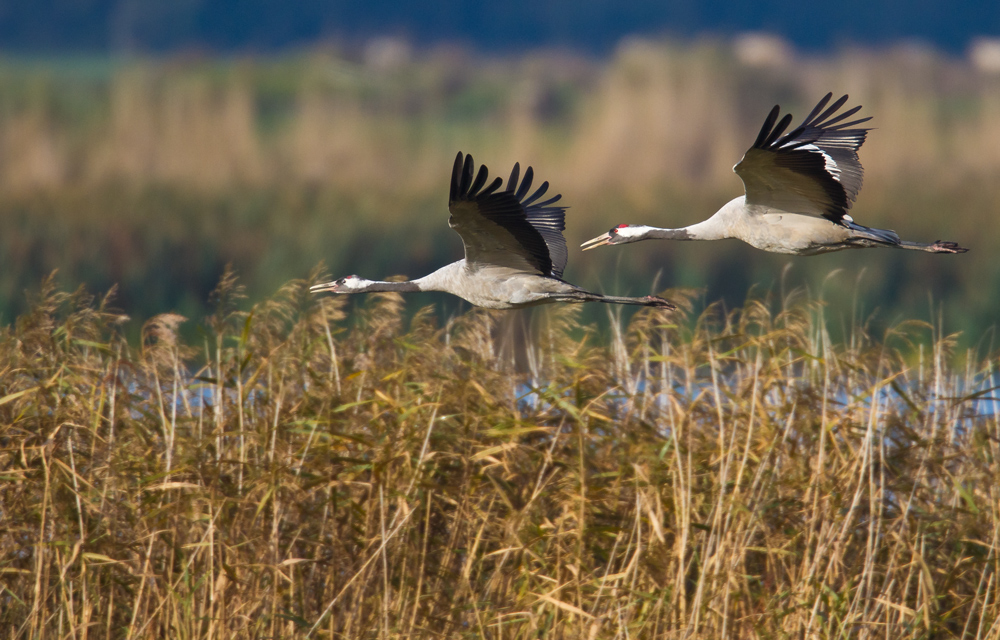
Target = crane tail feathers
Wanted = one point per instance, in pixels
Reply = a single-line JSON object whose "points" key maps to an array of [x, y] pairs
{"points": [[883, 236]]}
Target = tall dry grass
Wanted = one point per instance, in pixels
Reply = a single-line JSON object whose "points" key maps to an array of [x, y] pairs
{"points": [[300, 473]]}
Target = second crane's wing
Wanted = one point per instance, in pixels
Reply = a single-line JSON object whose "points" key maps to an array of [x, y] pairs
{"points": [[506, 228], [813, 170]]}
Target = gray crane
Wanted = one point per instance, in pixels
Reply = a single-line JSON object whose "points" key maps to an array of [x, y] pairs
{"points": [[799, 189], [514, 248]]}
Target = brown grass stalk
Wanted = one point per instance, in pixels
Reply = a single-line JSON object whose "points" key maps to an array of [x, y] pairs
{"points": [[727, 475]]}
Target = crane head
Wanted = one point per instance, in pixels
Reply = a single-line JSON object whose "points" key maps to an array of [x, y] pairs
{"points": [[617, 235], [347, 284]]}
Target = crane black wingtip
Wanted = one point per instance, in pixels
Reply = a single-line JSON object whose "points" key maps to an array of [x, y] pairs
{"points": [[768, 125], [529, 176], [467, 174], [515, 175], [456, 177]]}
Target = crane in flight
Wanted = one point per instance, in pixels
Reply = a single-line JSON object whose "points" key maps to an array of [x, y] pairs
{"points": [[514, 248], [799, 189]]}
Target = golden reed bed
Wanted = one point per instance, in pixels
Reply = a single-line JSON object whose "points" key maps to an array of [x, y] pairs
{"points": [[298, 472]]}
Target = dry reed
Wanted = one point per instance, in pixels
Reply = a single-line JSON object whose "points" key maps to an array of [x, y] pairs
{"points": [[300, 473]]}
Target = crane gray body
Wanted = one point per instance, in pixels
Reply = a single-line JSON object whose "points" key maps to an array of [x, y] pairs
{"points": [[514, 248], [484, 285], [799, 189]]}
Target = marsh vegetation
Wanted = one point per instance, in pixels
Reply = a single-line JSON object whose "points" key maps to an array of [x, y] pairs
{"points": [[301, 472]]}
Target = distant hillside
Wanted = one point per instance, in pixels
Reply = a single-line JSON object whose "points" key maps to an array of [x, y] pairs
{"points": [[47, 26]]}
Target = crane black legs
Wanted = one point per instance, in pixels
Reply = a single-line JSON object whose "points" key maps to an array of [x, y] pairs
{"points": [[941, 246], [645, 301]]}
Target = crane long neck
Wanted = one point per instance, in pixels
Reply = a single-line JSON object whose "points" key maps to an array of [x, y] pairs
{"points": [[381, 285], [711, 229], [667, 234], [715, 228]]}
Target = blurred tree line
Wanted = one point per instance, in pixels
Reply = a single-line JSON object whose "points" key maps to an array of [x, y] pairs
{"points": [[154, 173]]}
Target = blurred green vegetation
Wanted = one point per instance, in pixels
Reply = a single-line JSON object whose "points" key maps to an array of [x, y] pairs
{"points": [[154, 174]]}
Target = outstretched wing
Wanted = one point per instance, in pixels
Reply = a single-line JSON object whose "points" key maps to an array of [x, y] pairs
{"points": [[506, 228], [814, 169]]}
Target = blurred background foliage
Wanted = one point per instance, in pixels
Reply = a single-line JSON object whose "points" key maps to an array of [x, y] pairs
{"points": [[154, 173]]}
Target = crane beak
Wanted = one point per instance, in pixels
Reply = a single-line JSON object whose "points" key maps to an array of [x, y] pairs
{"points": [[599, 241], [326, 286]]}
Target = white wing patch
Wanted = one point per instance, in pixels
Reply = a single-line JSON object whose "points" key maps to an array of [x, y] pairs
{"points": [[784, 171], [828, 161]]}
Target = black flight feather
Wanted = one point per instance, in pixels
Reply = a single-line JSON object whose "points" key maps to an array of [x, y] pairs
{"points": [[819, 107], [824, 148], [537, 227]]}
